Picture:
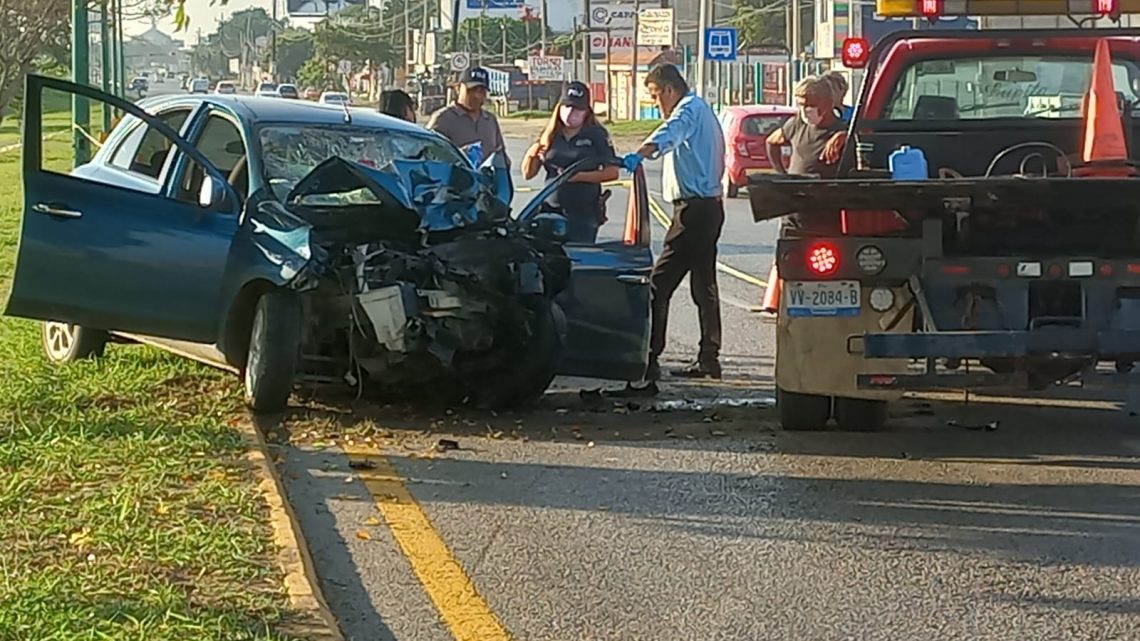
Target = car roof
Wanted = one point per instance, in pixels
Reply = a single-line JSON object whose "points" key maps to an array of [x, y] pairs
{"points": [[256, 110]]}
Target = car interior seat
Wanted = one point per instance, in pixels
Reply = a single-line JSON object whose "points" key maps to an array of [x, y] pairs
{"points": [[936, 108]]}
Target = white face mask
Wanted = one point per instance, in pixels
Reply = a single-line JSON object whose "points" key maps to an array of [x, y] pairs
{"points": [[811, 115]]}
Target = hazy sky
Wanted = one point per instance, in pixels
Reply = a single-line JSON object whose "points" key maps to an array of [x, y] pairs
{"points": [[202, 15]]}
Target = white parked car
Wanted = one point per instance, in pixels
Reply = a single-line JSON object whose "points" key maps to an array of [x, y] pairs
{"points": [[267, 90], [225, 87], [200, 85], [334, 98]]}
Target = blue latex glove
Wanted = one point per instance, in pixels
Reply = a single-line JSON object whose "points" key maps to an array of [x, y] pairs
{"points": [[631, 161]]}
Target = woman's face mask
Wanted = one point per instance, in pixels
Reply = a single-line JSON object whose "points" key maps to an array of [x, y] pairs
{"points": [[571, 117], [811, 115]]}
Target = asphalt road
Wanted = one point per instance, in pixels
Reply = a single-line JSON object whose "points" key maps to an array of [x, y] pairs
{"points": [[595, 519]]}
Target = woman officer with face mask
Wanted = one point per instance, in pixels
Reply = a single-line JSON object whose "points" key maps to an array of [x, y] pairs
{"points": [[573, 134]]}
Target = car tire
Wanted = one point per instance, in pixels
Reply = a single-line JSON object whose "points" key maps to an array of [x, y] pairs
{"points": [[731, 190], [66, 343], [802, 412], [274, 350], [860, 414], [526, 381]]}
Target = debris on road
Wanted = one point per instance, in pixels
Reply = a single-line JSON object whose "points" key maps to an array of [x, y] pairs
{"points": [[361, 464], [988, 427], [446, 444]]}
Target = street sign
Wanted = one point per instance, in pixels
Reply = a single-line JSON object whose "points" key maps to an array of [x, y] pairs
{"points": [[546, 68], [655, 27], [720, 44], [460, 60], [344, 67]]}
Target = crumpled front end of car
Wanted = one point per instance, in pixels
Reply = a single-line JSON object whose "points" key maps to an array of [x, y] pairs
{"points": [[421, 281]]}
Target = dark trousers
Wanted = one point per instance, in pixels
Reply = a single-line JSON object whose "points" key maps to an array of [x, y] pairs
{"points": [[690, 248]]}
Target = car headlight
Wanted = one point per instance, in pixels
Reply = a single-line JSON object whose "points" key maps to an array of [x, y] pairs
{"points": [[882, 299], [870, 260]]}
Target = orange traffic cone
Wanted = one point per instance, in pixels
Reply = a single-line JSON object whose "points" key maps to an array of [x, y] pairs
{"points": [[1104, 150], [632, 233], [771, 302]]}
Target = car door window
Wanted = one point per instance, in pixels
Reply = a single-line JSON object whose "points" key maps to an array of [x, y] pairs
{"points": [[145, 149], [221, 143]]}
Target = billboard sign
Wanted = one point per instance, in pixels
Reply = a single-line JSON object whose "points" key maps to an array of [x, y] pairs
{"points": [[655, 28], [491, 5], [319, 8], [619, 19], [546, 68]]}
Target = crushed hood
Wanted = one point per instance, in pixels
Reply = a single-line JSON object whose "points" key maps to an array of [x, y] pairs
{"points": [[444, 196]]}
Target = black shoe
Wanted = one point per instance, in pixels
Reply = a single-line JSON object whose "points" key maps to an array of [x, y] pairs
{"points": [[653, 372], [710, 369]]}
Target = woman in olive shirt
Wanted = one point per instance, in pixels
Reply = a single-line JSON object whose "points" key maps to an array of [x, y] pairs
{"points": [[574, 134]]}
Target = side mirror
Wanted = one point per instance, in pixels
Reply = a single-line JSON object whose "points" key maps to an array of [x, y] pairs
{"points": [[549, 226], [211, 193]]}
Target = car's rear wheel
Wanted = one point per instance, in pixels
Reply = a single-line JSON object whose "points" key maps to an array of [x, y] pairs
{"points": [[860, 414], [274, 350], [802, 412], [66, 343]]}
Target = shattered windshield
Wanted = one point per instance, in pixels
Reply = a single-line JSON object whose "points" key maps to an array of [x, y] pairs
{"points": [[290, 152]]}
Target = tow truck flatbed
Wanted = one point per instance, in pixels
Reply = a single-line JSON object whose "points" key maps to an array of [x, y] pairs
{"points": [[772, 198]]}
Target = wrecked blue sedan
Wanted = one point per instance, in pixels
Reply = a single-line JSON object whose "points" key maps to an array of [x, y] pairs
{"points": [[291, 242]]}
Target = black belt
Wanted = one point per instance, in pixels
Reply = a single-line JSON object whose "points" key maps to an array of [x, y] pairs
{"points": [[697, 199]]}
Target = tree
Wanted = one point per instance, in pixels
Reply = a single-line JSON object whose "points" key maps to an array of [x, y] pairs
{"points": [[488, 34], [27, 28], [294, 49], [761, 22]]}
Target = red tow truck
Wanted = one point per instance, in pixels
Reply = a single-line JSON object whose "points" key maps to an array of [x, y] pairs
{"points": [[1015, 265]]}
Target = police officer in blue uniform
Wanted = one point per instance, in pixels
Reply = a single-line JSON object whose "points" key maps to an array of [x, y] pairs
{"points": [[573, 134]]}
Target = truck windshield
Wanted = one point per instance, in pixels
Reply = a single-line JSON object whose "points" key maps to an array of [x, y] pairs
{"points": [[981, 88]]}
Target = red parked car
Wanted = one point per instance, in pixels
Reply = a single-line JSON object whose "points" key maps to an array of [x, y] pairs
{"points": [[746, 129]]}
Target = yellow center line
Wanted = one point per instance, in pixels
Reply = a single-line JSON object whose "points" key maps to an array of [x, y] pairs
{"points": [[463, 610], [663, 219]]}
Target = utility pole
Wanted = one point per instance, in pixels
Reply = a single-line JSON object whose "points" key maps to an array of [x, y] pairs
{"points": [[542, 25], [273, 45], [796, 45], [635, 63], [105, 65], [503, 35], [702, 26], [609, 75], [80, 70], [120, 57], [586, 43]]}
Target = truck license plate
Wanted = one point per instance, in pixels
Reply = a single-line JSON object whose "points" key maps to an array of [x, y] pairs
{"points": [[822, 298]]}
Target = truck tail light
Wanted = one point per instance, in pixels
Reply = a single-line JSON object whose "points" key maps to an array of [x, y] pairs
{"points": [[932, 9], [823, 258], [742, 149]]}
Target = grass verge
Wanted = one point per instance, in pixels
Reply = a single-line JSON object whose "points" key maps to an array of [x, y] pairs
{"points": [[632, 127], [127, 510]]}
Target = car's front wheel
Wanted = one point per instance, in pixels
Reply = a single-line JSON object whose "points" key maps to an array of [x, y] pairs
{"points": [[66, 343], [274, 349]]}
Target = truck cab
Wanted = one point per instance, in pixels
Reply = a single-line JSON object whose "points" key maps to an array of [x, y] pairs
{"points": [[1014, 265]]}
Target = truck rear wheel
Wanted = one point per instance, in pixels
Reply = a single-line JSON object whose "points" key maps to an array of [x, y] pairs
{"points": [[860, 414], [802, 412]]}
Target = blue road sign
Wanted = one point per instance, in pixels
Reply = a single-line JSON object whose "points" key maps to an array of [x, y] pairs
{"points": [[720, 44], [494, 4]]}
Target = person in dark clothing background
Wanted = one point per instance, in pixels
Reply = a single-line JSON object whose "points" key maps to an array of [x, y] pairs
{"points": [[817, 135], [398, 104], [692, 144], [574, 134]]}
